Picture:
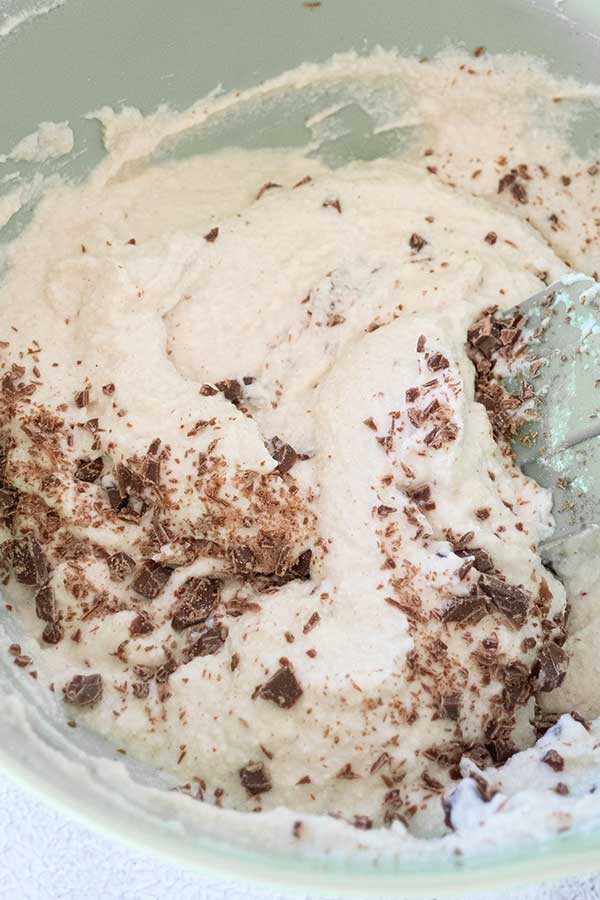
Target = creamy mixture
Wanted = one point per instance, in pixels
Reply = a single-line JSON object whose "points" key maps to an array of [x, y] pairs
{"points": [[252, 509]]}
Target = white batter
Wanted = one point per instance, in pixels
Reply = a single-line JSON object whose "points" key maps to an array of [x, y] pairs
{"points": [[274, 354]]}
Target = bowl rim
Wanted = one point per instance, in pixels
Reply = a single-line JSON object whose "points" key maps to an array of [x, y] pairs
{"points": [[554, 857]]}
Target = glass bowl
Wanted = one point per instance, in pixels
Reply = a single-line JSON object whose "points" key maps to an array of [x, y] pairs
{"points": [[59, 59]]}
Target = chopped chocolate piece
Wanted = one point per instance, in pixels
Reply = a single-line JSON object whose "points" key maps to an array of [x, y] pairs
{"points": [[243, 559], [255, 778], [150, 579], [115, 498], [142, 624], [133, 509], [482, 560], [45, 604], [412, 394], [511, 601], [108, 389], [9, 498], [152, 463], [301, 568], [553, 759], [120, 566], [347, 773], [231, 389], [482, 513], [282, 688], [144, 673], [89, 470], [561, 788], [416, 242], [207, 390], [466, 610], [198, 597], [517, 684], [211, 236], [284, 454], [53, 633], [436, 362], [491, 238], [83, 690], [28, 561], [363, 823], [550, 667], [82, 398], [209, 643], [519, 192], [450, 706]]}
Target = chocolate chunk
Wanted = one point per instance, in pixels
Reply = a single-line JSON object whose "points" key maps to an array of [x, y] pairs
{"points": [[511, 601], [231, 389], [517, 684], [550, 667], [506, 181], [482, 560], [243, 559], [416, 242], [133, 509], [89, 470], [120, 566], [491, 238], [210, 642], [411, 394], [255, 778], [207, 390], [28, 561], [519, 192], [83, 690], [301, 568], [450, 706], [282, 688], [198, 597], [211, 236], [140, 690], [45, 604], [152, 462], [142, 624], [284, 454], [436, 362], [82, 398], [53, 633], [465, 610], [150, 579], [115, 498], [553, 759]]}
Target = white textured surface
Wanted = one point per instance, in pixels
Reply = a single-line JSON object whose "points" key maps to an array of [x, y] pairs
{"points": [[43, 856]]}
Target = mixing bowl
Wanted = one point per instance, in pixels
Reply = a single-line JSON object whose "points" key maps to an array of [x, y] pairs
{"points": [[58, 61]]}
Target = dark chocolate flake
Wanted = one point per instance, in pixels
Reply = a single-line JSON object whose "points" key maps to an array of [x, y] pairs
{"points": [[211, 236], [301, 568], [83, 690], [416, 242], [436, 362], [450, 706], [210, 642], [231, 390], [282, 688], [140, 625], [255, 778], [28, 561], [53, 633], [45, 604], [284, 454], [150, 579]]}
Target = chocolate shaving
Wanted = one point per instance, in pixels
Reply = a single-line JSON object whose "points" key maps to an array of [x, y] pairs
{"points": [[267, 187], [335, 204], [282, 688], [211, 236], [83, 690]]}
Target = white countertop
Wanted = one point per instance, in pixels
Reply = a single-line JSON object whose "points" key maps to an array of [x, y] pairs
{"points": [[43, 856]]}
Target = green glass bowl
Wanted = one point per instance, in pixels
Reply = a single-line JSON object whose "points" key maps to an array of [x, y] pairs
{"points": [[84, 54]]}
